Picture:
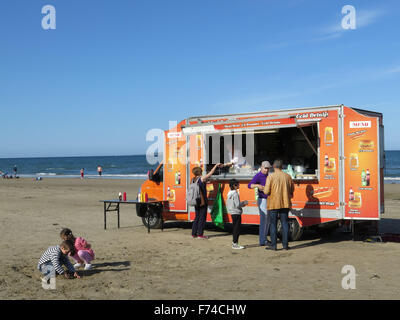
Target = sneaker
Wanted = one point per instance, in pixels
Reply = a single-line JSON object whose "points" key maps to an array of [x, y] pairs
{"points": [[194, 237], [286, 248], [88, 266], [77, 265], [237, 246], [202, 237], [271, 248]]}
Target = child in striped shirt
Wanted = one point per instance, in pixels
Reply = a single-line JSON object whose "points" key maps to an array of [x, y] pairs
{"points": [[54, 258], [83, 250]]}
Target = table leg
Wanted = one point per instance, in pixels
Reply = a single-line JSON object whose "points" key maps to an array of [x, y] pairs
{"points": [[118, 215], [148, 219], [105, 222]]}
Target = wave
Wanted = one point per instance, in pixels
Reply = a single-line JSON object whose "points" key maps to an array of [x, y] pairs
{"points": [[87, 176], [392, 179]]}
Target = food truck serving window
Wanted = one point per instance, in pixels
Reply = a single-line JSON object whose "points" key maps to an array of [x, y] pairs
{"points": [[296, 146]]}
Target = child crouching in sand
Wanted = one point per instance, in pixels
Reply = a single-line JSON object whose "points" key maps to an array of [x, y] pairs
{"points": [[83, 251], [234, 207], [54, 258]]}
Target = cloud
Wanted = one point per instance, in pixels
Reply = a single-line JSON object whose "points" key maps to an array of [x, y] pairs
{"points": [[364, 18], [308, 86], [395, 69]]}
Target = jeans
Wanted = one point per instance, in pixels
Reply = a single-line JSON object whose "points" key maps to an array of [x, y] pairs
{"points": [[237, 221], [283, 216], [82, 255], [199, 222], [264, 221], [47, 269]]}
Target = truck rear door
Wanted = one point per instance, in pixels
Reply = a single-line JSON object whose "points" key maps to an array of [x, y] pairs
{"points": [[361, 169]]}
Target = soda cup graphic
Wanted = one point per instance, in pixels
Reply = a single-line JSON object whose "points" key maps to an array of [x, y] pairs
{"points": [[199, 140]]}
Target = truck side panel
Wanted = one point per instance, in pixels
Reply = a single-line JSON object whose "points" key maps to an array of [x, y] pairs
{"points": [[362, 173]]}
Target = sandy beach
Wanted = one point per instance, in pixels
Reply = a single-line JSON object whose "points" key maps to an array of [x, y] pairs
{"points": [[132, 264]]}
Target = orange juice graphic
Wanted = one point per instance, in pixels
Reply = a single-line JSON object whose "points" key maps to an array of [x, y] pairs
{"points": [[356, 203], [353, 161], [331, 167], [329, 135]]}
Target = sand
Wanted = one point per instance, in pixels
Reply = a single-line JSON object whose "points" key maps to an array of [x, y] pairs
{"points": [[132, 264]]}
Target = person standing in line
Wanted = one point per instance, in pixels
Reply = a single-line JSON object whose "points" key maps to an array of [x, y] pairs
{"points": [[279, 187], [199, 222], [82, 173], [99, 170], [258, 182], [234, 206]]}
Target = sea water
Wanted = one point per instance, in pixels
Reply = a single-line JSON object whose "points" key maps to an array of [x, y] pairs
{"points": [[125, 167]]}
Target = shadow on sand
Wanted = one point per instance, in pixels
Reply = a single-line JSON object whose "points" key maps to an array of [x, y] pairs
{"points": [[102, 267]]}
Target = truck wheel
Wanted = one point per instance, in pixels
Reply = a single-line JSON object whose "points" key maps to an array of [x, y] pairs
{"points": [[295, 230], [155, 220]]}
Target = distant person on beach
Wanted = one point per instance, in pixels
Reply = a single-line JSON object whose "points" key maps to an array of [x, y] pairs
{"points": [[83, 250], [279, 187], [82, 173], [234, 206], [99, 170], [54, 258], [15, 169]]}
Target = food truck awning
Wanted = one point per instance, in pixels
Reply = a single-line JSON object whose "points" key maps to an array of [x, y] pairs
{"points": [[247, 124]]}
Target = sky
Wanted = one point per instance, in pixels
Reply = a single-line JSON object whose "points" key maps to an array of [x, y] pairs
{"points": [[113, 70]]}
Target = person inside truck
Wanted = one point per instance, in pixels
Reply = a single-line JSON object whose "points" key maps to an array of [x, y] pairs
{"points": [[199, 222]]}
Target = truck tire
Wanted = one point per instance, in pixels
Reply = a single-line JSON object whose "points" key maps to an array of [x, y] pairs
{"points": [[155, 220], [295, 230]]}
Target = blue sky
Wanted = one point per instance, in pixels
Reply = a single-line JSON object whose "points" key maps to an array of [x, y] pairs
{"points": [[112, 70]]}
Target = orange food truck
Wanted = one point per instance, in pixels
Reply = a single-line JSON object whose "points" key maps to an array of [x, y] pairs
{"points": [[335, 155]]}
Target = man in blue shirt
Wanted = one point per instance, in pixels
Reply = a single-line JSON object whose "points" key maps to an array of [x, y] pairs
{"points": [[258, 182]]}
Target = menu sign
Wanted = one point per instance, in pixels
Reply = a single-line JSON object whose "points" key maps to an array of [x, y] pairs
{"points": [[361, 165]]}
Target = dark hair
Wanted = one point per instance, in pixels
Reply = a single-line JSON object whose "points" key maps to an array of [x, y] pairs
{"points": [[233, 183], [278, 163], [197, 171], [65, 232], [67, 244]]}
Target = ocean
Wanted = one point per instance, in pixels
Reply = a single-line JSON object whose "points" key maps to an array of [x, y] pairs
{"points": [[117, 167], [123, 167]]}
